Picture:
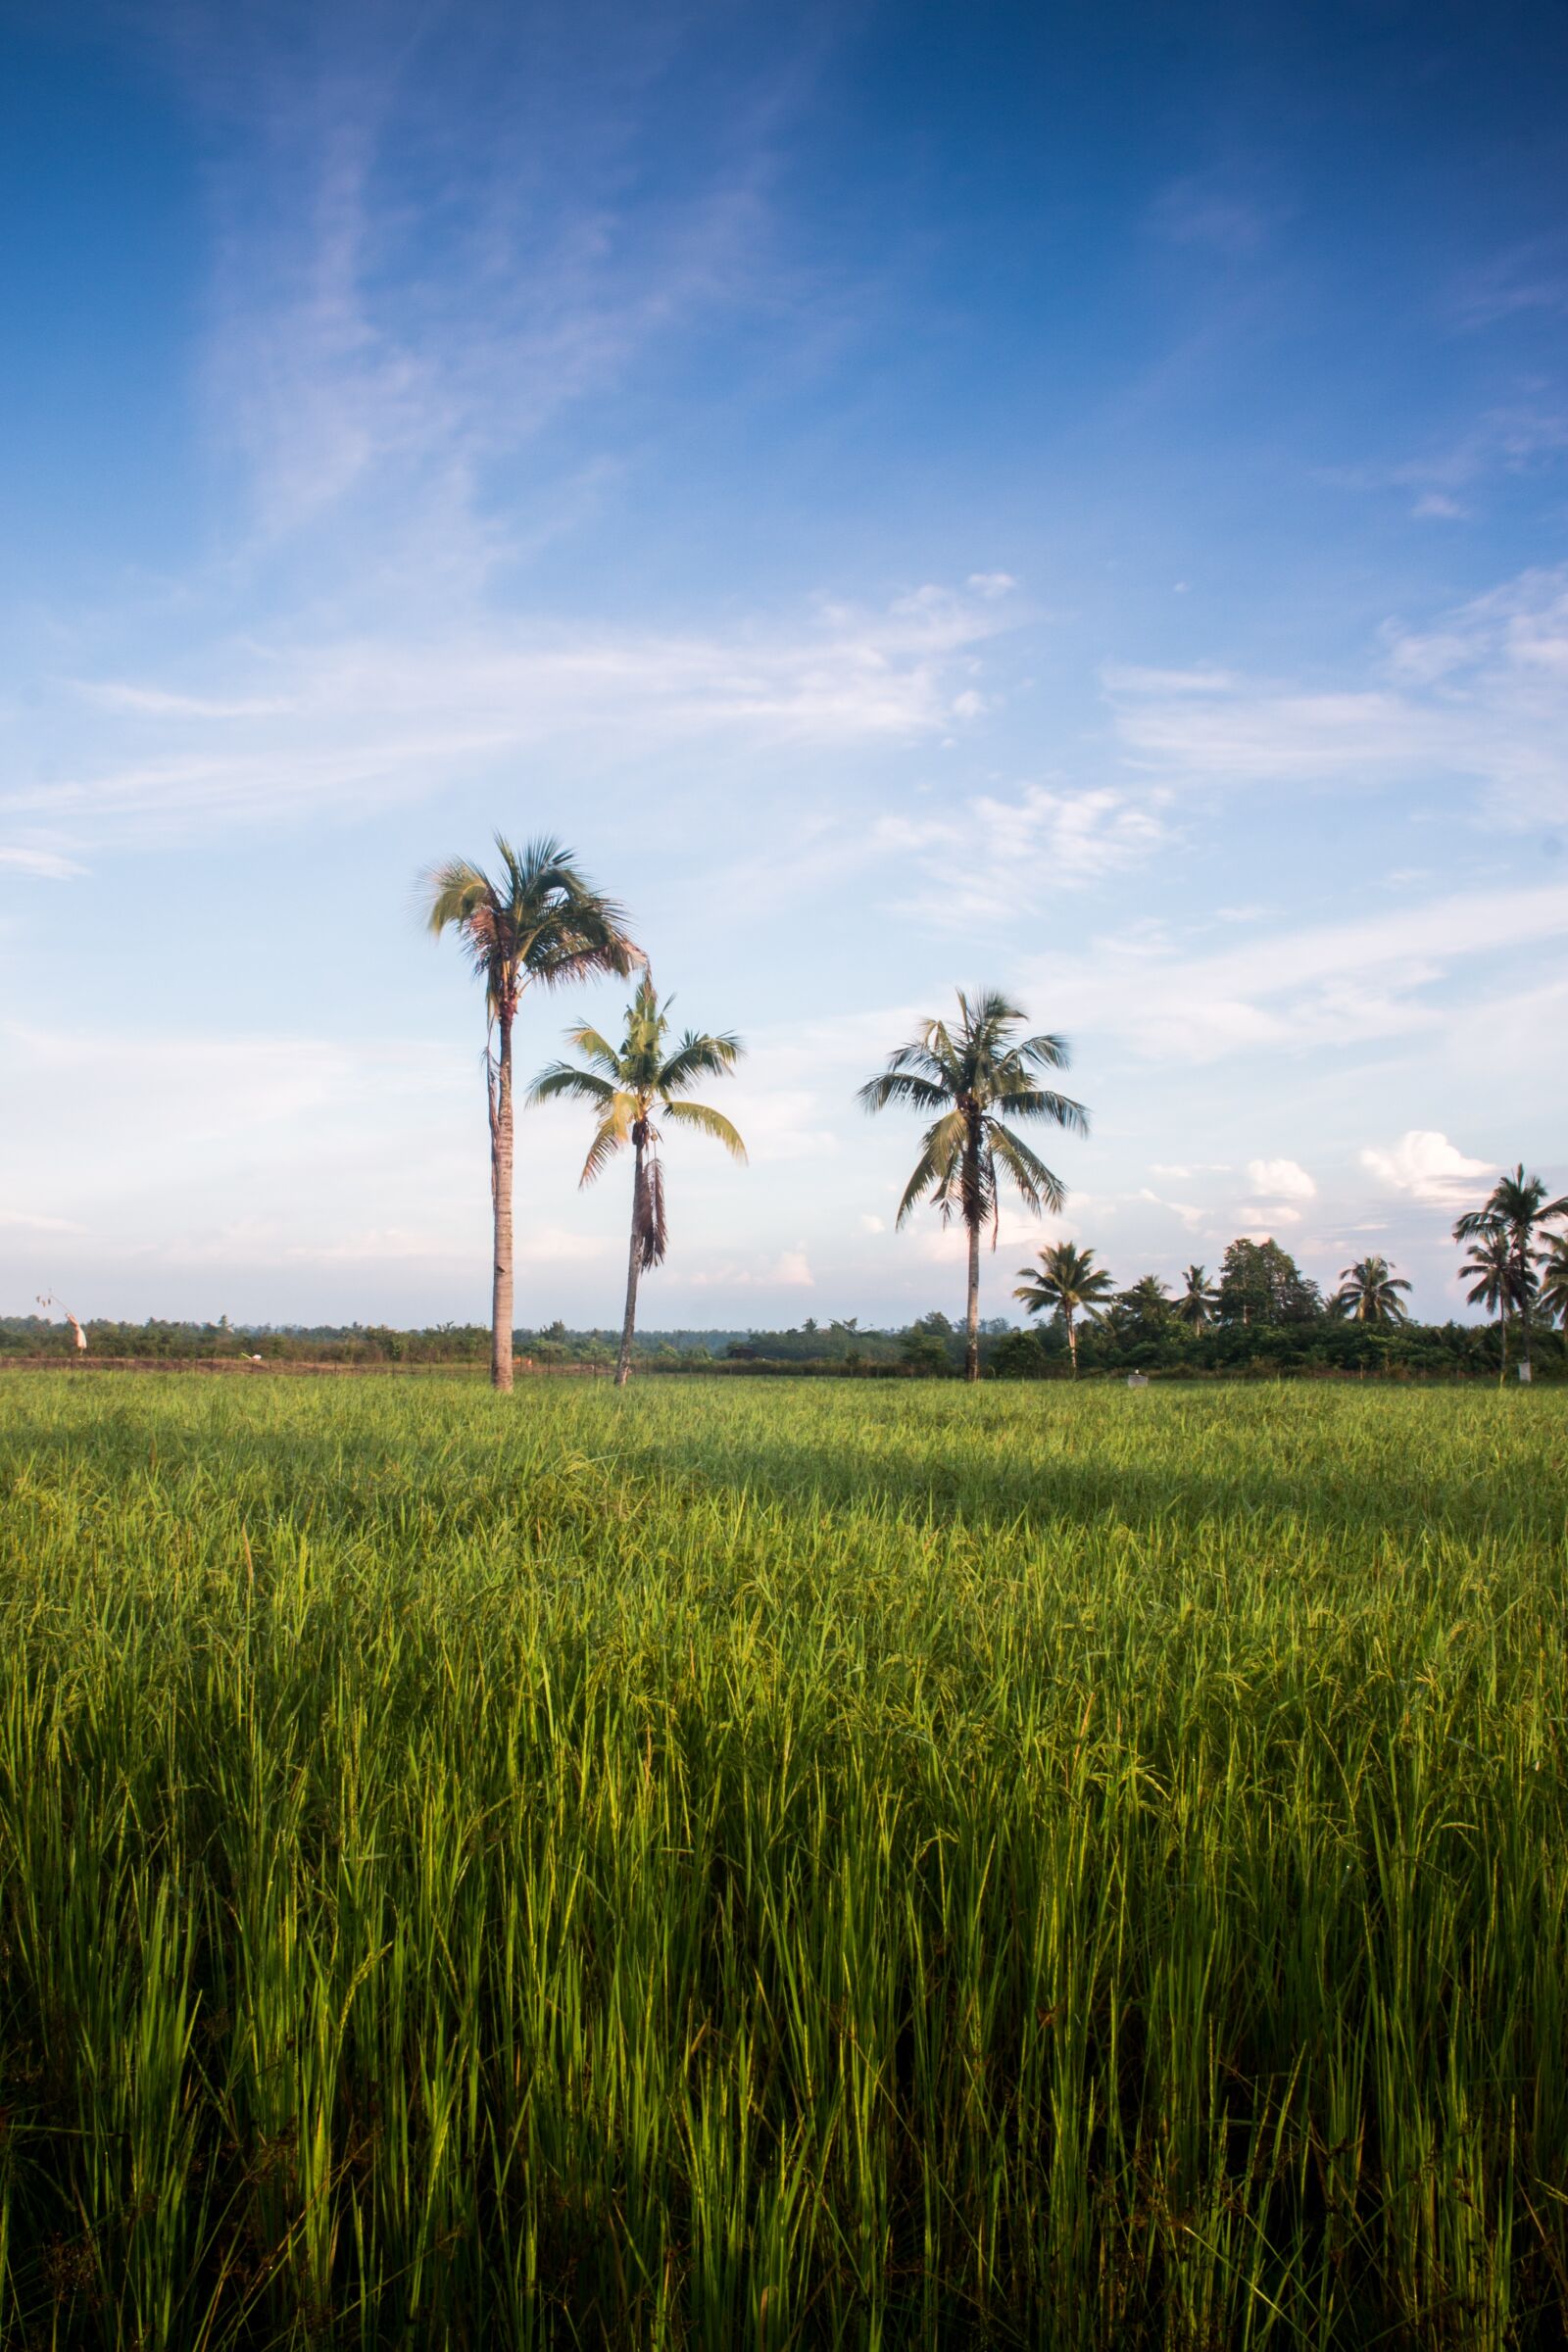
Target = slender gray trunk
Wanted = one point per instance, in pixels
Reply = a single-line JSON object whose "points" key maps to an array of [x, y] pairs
{"points": [[633, 1269], [972, 1342], [1524, 1308], [501, 1196], [1072, 1342]]}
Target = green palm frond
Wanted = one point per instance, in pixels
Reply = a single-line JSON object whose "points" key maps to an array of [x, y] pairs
{"points": [[1040, 1189], [563, 1081], [707, 1122], [915, 1091], [611, 1135], [941, 1148], [699, 1057]]}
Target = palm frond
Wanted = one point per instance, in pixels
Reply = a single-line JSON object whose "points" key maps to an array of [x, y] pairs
{"points": [[903, 1087], [707, 1122], [564, 1081], [649, 1225], [1041, 1189], [941, 1146], [699, 1057]]}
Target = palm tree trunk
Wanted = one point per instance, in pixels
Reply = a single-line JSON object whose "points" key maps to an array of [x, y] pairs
{"points": [[1072, 1342], [501, 1195], [633, 1269], [1524, 1312], [971, 1327]]}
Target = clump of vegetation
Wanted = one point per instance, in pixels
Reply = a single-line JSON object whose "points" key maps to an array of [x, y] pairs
{"points": [[777, 1866]]}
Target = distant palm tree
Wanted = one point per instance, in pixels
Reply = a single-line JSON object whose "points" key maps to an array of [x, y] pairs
{"points": [[1554, 1278], [1369, 1293], [537, 920], [624, 1088], [1199, 1303], [967, 1074], [1066, 1281], [1491, 1263], [1516, 1206]]}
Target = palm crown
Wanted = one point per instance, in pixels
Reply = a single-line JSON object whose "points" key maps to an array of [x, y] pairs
{"points": [[1369, 1291], [1199, 1303], [1064, 1280], [968, 1074], [537, 919]]}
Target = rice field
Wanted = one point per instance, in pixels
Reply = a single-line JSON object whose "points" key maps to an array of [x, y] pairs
{"points": [[762, 1865]]}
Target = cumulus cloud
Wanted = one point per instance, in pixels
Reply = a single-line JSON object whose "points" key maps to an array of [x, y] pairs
{"points": [[1284, 1179], [1424, 1165]]}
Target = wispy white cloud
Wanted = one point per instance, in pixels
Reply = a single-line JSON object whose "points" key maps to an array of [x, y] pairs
{"points": [[1331, 983], [1482, 695], [45, 865], [997, 856], [353, 721]]}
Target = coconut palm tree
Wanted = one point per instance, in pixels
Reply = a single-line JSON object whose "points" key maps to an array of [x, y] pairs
{"points": [[1199, 1303], [1491, 1263], [624, 1086], [537, 920], [1517, 1207], [1067, 1283], [1554, 1278], [967, 1074], [1369, 1293]]}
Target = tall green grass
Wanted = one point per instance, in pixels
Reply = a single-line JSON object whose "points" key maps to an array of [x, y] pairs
{"points": [[763, 1865]]}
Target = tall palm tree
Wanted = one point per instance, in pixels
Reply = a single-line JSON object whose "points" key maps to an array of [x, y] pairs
{"points": [[1491, 1263], [1199, 1303], [1517, 1207], [967, 1074], [1554, 1278], [624, 1086], [1067, 1283], [1369, 1293], [536, 920]]}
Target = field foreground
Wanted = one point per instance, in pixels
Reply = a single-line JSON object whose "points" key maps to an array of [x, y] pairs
{"points": [[781, 1866]]}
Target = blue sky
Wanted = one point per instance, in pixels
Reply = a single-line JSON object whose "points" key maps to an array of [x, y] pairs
{"points": [[915, 496]]}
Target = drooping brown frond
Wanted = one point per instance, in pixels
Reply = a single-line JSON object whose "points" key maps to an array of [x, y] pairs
{"points": [[647, 1215]]}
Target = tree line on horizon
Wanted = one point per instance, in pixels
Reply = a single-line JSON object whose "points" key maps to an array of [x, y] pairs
{"points": [[537, 921]]}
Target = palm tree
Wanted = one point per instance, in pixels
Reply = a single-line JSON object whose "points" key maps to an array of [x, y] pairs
{"points": [[1516, 1206], [537, 920], [1369, 1293], [1554, 1278], [965, 1074], [624, 1088], [1199, 1303], [1067, 1282], [1491, 1264]]}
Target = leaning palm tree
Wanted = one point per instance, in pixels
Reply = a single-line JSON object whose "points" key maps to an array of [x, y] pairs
{"points": [[1489, 1267], [1067, 1283], [1369, 1293], [967, 1074], [624, 1086], [1517, 1207], [537, 920], [1199, 1303]]}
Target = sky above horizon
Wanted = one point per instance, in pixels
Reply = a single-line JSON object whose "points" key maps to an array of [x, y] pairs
{"points": [[915, 497]]}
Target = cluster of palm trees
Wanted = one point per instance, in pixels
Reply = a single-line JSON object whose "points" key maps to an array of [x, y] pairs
{"points": [[1066, 1282], [538, 921], [1514, 1264]]}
